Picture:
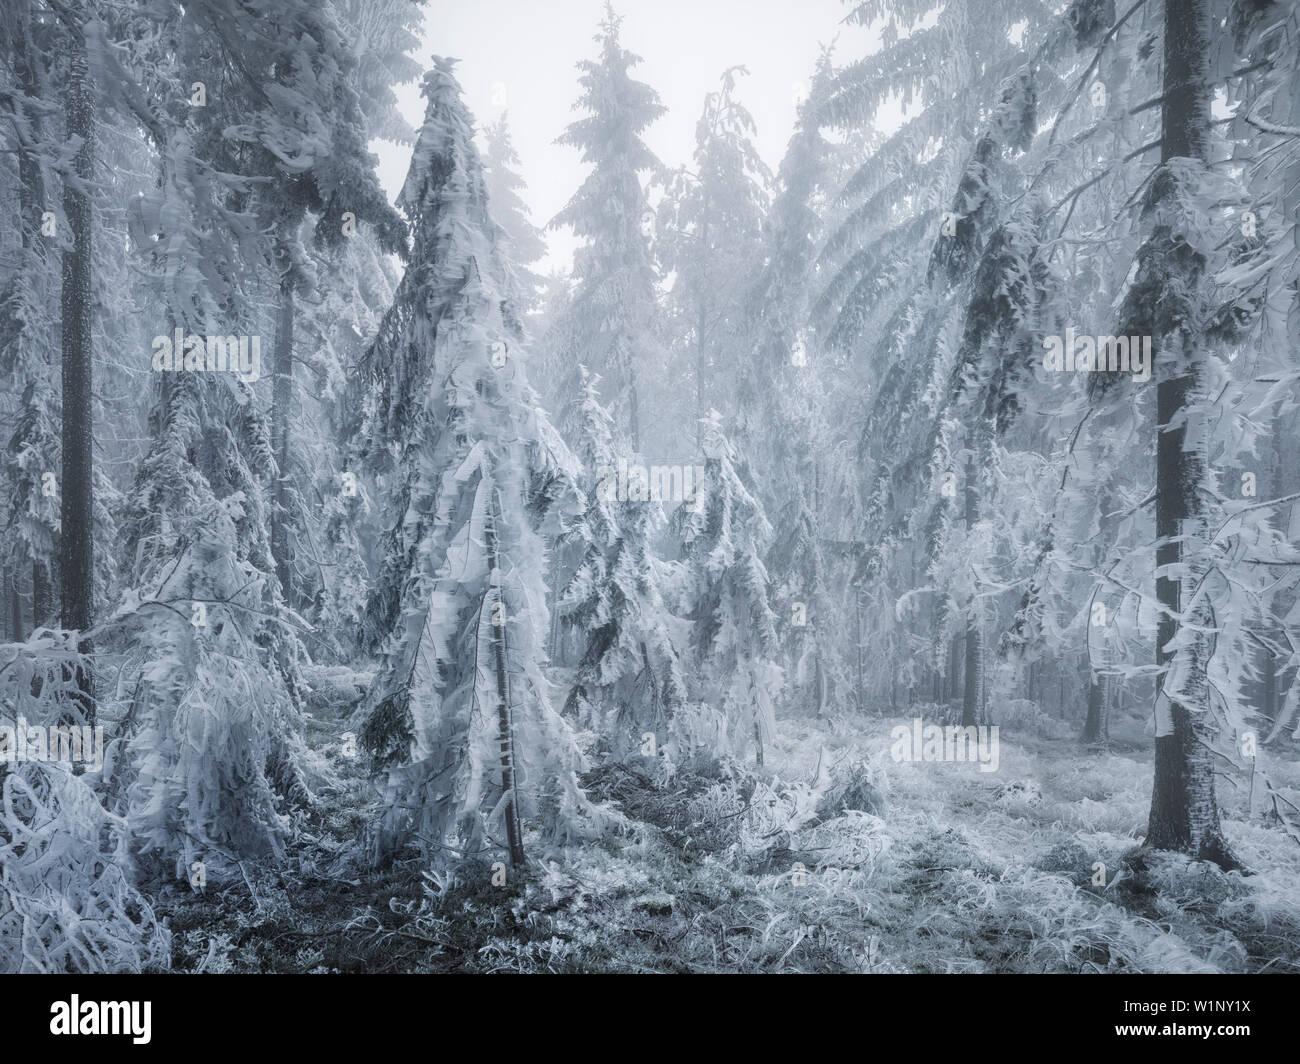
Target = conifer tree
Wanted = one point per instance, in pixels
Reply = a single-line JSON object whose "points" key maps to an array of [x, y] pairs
{"points": [[779, 419], [524, 242], [711, 226], [215, 725], [27, 331], [630, 675], [612, 322], [725, 596], [459, 716]]}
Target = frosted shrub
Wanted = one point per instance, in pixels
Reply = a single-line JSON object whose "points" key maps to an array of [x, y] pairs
{"points": [[218, 752], [66, 900], [67, 903]]}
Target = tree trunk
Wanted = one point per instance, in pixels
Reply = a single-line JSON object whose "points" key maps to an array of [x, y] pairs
{"points": [[819, 684], [42, 597], [1184, 810], [14, 615], [31, 181], [857, 647], [634, 411], [955, 651], [1097, 686], [514, 827], [974, 642], [1268, 683], [76, 540], [281, 400], [701, 360], [31, 198]]}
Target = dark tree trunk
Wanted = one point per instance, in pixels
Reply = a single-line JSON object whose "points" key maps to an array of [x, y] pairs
{"points": [[14, 615], [857, 646], [514, 826], [76, 540], [31, 180], [701, 361], [1097, 687], [281, 401], [634, 410], [1184, 809], [42, 596], [974, 678], [31, 199], [956, 647], [1268, 682]]}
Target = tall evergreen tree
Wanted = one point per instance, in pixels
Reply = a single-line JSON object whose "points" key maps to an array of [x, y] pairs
{"points": [[630, 675], [216, 727], [305, 128], [28, 332], [711, 227], [459, 715], [780, 419], [77, 309], [524, 242], [612, 322], [1170, 287], [725, 595]]}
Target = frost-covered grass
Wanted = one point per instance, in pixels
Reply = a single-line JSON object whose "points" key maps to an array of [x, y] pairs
{"points": [[832, 858]]}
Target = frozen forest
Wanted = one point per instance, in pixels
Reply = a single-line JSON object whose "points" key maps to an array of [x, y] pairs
{"points": [[848, 528]]}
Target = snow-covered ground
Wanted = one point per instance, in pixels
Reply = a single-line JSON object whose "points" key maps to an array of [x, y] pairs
{"points": [[957, 870]]}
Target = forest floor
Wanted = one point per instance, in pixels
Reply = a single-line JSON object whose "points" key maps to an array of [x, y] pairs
{"points": [[833, 858]]}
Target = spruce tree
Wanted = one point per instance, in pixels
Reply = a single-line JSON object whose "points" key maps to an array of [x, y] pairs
{"points": [[629, 678], [458, 716], [611, 324], [725, 596], [524, 242], [712, 226]]}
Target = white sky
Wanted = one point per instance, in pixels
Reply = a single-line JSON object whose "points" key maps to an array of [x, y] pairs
{"points": [[523, 53]]}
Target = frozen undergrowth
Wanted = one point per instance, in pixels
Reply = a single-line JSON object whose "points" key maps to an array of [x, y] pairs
{"points": [[67, 900], [964, 872], [834, 858]]}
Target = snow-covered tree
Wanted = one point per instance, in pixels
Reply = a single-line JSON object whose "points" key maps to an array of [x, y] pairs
{"points": [[724, 594], [1168, 295], [780, 417], [214, 726], [711, 225], [629, 677], [459, 715], [307, 130], [28, 334], [612, 321], [524, 242]]}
